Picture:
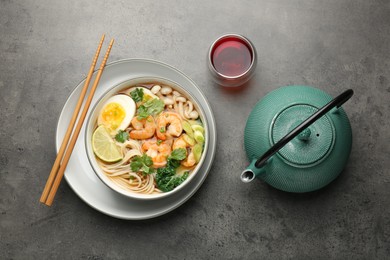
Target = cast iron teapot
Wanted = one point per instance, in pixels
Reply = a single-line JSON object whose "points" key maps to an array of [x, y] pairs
{"points": [[297, 139]]}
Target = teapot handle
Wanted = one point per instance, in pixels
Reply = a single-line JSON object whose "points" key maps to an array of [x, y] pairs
{"points": [[338, 101]]}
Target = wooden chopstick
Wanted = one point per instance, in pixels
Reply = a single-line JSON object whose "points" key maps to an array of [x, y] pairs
{"points": [[65, 160], [72, 122]]}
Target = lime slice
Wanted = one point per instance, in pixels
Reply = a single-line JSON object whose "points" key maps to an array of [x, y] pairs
{"points": [[104, 146]]}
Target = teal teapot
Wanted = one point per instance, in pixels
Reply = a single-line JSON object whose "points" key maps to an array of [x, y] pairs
{"points": [[297, 139]]}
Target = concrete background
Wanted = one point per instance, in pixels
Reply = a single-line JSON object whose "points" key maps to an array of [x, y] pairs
{"points": [[45, 50]]}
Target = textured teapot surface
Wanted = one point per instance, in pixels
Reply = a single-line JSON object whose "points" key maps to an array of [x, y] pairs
{"points": [[309, 161]]}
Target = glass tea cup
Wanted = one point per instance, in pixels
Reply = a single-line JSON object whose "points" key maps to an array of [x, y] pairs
{"points": [[232, 60]]}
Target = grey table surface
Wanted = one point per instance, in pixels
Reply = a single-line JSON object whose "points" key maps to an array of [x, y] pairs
{"points": [[45, 50]]}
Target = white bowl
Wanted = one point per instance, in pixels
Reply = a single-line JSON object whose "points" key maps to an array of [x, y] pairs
{"points": [[91, 125]]}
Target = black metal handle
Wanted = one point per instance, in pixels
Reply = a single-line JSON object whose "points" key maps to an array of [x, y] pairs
{"points": [[338, 101]]}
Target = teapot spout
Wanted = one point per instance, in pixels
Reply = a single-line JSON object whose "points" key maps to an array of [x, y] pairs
{"points": [[247, 176], [251, 172]]}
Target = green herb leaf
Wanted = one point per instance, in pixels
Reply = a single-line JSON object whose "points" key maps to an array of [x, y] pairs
{"points": [[159, 142], [122, 136], [142, 164], [155, 106], [142, 112], [166, 177], [137, 94], [165, 172], [148, 160], [136, 164], [167, 180], [172, 163], [162, 129], [176, 157], [151, 107], [178, 154]]}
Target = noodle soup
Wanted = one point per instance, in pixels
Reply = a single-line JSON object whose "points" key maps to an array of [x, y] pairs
{"points": [[146, 138]]}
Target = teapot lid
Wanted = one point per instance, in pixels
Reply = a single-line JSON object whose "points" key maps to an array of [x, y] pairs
{"points": [[312, 145]]}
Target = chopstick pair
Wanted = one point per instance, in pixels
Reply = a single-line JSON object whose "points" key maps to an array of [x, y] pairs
{"points": [[63, 156]]}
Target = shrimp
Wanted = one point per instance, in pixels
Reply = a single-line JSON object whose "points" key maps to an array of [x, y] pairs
{"points": [[143, 129], [158, 151], [190, 160], [180, 143], [168, 125]]}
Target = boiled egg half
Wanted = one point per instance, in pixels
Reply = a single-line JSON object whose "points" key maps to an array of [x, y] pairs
{"points": [[117, 113]]}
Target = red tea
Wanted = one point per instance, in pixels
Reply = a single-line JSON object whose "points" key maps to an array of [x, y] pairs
{"points": [[231, 57]]}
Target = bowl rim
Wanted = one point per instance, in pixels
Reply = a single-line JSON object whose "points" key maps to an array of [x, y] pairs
{"points": [[89, 128]]}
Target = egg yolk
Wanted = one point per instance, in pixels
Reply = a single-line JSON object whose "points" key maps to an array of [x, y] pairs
{"points": [[113, 115]]}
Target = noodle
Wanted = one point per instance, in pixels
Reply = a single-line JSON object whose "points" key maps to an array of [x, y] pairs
{"points": [[121, 174]]}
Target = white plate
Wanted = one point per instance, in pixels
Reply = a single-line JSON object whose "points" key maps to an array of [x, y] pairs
{"points": [[80, 175]]}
